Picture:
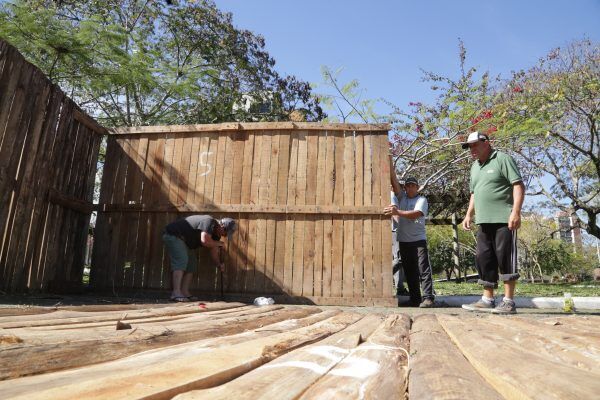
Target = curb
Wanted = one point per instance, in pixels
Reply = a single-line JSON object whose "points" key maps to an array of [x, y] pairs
{"points": [[583, 303]]}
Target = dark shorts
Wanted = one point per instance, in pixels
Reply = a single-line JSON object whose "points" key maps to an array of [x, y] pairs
{"points": [[182, 258], [496, 257]]}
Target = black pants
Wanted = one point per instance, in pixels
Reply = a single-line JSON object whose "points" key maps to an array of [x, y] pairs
{"points": [[496, 250], [417, 270]]}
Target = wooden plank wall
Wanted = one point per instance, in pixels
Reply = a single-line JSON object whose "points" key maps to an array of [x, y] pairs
{"points": [[48, 154], [307, 197]]}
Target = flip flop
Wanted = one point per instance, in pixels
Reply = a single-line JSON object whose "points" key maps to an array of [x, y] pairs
{"points": [[192, 298], [180, 299]]}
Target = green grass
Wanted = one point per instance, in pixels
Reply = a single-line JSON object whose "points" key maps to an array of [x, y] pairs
{"points": [[583, 289]]}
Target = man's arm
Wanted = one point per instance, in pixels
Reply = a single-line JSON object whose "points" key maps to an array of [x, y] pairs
{"points": [[470, 212], [514, 221], [396, 187], [208, 241]]}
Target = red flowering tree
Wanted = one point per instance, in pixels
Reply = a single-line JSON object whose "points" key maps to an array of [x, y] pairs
{"points": [[550, 117]]}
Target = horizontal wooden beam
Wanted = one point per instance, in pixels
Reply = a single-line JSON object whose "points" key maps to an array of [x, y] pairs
{"points": [[89, 122], [70, 202], [241, 208], [251, 126]]}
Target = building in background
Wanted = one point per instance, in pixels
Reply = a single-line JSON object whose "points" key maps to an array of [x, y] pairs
{"points": [[568, 229]]}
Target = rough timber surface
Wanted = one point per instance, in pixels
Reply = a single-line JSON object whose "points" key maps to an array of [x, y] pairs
{"points": [[220, 350]]}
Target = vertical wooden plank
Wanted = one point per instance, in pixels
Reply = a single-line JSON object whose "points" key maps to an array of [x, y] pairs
{"points": [[359, 263], [40, 187], [327, 254], [228, 165], [279, 256], [184, 169], [160, 195], [135, 173], [358, 255], [349, 174], [173, 177], [239, 139], [337, 253], [376, 222], [253, 220], [211, 171], [138, 234], [368, 174], [193, 173], [312, 141], [290, 222], [368, 256], [248, 168], [299, 226], [263, 199], [283, 138], [120, 219], [386, 240], [24, 193], [272, 220], [219, 169], [14, 120], [204, 169], [319, 220], [246, 174]]}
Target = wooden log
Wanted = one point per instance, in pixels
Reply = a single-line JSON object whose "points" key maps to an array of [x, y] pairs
{"points": [[571, 350], [159, 373], [111, 344], [438, 368], [548, 380], [293, 372], [377, 369], [67, 317]]}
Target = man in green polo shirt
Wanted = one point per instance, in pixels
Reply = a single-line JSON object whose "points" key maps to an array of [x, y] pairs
{"points": [[497, 194]]}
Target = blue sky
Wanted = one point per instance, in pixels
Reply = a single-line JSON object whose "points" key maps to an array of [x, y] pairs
{"points": [[384, 44]]}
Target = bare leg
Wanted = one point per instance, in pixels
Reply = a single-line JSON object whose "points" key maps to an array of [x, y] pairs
{"points": [[185, 284], [509, 289], [488, 292], [177, 281]]}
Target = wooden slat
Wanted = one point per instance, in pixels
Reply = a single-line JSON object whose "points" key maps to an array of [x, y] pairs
{"points": [[549, 379]]}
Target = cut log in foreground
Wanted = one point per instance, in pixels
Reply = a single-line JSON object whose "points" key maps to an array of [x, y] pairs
{"points": [[438, 369], [374, 370], [514, 370], [60, 351], [164, 373], [289, 375]]}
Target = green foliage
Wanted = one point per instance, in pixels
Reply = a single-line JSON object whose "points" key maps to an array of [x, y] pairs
{"points": [[441, 250], [134, 62]]}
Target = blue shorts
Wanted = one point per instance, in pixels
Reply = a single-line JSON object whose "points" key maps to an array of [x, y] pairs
{"points": [[182, 257]]}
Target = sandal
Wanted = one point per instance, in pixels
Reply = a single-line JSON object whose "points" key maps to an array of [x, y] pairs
{"points": [[180, 299], [192, 298]]}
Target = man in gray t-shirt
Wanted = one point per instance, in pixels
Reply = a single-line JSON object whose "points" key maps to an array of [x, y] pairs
{"points": [[182, 237], [410, 212]]}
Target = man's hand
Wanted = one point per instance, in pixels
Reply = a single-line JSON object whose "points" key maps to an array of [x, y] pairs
{"points": [[466, 224], [514, 221], [391, 210]]}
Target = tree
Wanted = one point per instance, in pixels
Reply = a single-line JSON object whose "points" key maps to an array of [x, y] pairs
{"points": [[134, 62], [550, 115]]}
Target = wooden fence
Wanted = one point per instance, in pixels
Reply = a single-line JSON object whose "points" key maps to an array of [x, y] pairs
{"points": [[307, 197], [48, 153]]}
